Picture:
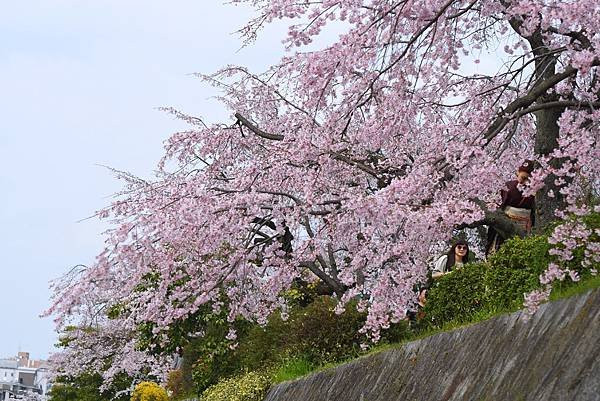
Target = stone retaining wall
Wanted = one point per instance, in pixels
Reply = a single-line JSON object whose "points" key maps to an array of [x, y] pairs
{"points": [[553, 356]]}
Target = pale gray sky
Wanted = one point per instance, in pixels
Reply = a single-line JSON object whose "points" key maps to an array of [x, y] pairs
{"points": [[79, 84]]}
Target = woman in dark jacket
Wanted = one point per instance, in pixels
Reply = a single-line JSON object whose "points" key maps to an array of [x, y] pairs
{"points": [[519, 208]]}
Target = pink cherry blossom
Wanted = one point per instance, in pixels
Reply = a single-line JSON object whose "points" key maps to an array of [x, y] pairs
{"points": [[347, 164]]}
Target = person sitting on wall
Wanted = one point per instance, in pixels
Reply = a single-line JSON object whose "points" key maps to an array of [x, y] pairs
{"points": [[519, 208], [457, 256]]}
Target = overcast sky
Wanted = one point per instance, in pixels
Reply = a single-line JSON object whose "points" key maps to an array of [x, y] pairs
{"points": [[80, 82]]}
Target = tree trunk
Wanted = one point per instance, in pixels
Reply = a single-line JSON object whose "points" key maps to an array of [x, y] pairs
{"points": [[547, 133], [546, 140]]}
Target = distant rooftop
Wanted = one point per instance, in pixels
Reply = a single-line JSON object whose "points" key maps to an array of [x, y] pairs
{"points": [[22, 361], [8, 363]]}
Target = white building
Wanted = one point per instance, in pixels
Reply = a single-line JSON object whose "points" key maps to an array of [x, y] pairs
{"points": [[21, 377], [8, 371]]}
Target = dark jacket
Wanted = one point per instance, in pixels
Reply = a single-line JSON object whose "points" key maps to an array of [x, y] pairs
{"points": [[513, 197]]}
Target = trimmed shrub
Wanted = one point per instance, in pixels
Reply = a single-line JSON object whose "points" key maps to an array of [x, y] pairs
{"points": [[211, 357], [515, 270], [456, 295], [249, 387], [313, 333], [149, 391], [500, 282]]}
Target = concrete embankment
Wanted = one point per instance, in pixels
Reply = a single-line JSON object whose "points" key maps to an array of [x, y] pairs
{"points": [[553, 356]]}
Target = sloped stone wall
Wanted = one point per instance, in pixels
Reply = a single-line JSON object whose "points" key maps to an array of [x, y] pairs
{"points": [[553, 356]]}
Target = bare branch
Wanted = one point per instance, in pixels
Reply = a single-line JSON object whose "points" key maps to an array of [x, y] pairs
{"points": [[496, 219], [557, 104], [577, 35], [525, 101], [355, 163], [246, 123], [337, 287]]}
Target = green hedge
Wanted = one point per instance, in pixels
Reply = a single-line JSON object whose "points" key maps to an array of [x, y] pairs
{"points": [[500, 283], [85, 387], [460, 293], [494, 285], [515, 270]]}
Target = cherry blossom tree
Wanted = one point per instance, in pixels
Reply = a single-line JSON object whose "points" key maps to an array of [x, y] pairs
{"points": [[348, 164]]}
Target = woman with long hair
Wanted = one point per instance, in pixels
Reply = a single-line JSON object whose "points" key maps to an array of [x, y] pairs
{"points": [[457, 256]]}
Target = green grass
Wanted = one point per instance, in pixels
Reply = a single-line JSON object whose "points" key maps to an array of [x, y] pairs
{"points": [[292, 369], [297, 368], [578, 288]]}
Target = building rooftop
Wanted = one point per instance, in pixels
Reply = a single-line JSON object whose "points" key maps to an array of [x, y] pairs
{"points": [[8, 364]]}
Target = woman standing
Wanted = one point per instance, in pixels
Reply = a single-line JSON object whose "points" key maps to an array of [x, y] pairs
{"points": [[519, 208], [456, 257]]}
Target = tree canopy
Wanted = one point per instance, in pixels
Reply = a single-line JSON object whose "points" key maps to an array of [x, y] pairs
{"points": [[347, 165]]}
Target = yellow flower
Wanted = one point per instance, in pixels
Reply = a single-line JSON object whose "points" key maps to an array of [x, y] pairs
{"points": [[149, 391]]}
